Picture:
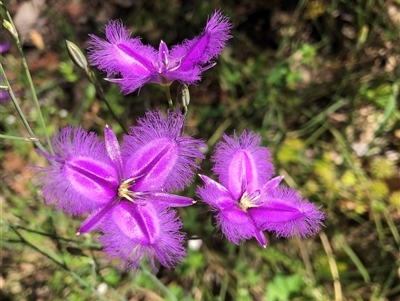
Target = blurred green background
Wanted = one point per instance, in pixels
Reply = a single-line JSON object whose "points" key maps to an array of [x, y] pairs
{"points": [[319, 80]]}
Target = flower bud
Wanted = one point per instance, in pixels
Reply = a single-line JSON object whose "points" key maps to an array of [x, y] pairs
{"points": [[76, 55], [183, 96], [7, 25]]}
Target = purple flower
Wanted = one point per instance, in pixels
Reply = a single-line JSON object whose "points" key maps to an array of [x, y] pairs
{"points": [[127, 189], [247, 201], [139, 64], [4, 46]]}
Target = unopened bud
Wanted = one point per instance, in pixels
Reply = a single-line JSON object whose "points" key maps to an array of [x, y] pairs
{"points": [[76, 55], [183, 96], [7, 25]]}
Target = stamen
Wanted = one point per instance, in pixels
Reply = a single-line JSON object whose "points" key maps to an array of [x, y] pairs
{"points": [[249, 200], [124, 191], [177, 65]]}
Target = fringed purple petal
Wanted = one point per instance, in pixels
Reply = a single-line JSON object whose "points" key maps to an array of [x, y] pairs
{"points": [[113, 150], [81, 178], [121, 54], [163, 57], [156, 151], [273, 183], [241, 163], [259, 235], [137, 233], [206, 46], [170, 200], [215, 194], [96, 218], [285, 213], [153, 163], [187, 77], [236, 224], [130, 84]]}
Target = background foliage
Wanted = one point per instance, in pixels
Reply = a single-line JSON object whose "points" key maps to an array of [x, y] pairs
{"points": [[319, 80]]}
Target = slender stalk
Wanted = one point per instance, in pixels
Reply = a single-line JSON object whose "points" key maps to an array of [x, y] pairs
{"points": [[80, 61], [30, 82], [160, 285], [333, 266], [202, 237], [26, 139], [168, 94], [100, 95], [354, 258], [20, 113], [218, 132], [392, 226], [306, 259]]}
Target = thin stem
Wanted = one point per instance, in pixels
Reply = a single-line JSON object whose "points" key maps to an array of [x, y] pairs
{"points": [[306, 259], [202, 237], [30, 82], [26, 139], [168, 94], [160, 285], [392, 226], [20, 113], [100, 95], [333, 266], [214, 233]]}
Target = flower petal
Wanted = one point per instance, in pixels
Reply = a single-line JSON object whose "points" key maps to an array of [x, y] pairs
{"points": [[259, 235], [171, 200], [123, 55], [96, 218], [273, 183], [215, 194], [204, 47], [135, 233], [156, 151], [128, 84], [285, 213], [241, 163], [163, 57], [113, 150], [236, 224], [189, 77], [81, 177]]}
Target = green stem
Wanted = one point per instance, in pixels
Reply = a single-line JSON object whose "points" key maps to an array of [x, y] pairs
{"points": [[20, 113], [100, 95], [30, 82], [160, 285], [392, 226], [26, 139], [169, 98]]}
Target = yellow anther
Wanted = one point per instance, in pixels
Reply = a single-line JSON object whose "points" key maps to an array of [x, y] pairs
{"points": [[248, 201], [124, 192]]}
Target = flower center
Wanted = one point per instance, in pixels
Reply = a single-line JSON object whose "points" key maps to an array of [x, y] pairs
{"points": [[249, 200], [124, 192]]}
